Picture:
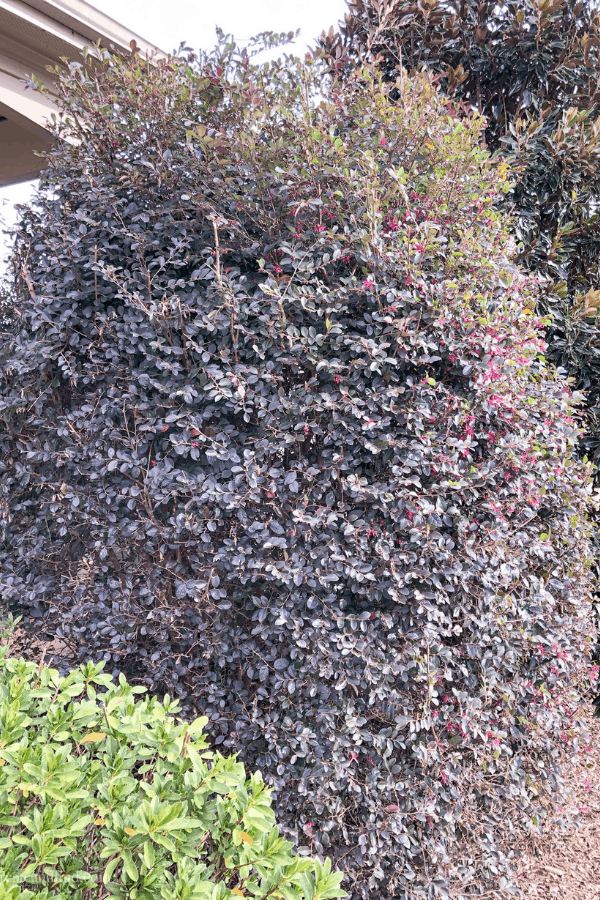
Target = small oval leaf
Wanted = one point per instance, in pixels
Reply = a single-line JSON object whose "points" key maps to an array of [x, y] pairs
{"points": [[93, 737]]}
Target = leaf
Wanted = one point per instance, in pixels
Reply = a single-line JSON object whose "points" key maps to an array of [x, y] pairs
{"points": [[110, 868], [129, 865], [237, 892], [99, 821], [180, 823], [93, 737], [247, 838], [149, 854], [130, 831]]}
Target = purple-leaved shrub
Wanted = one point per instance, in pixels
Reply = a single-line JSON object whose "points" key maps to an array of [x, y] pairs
{"points": [[278, 437]]}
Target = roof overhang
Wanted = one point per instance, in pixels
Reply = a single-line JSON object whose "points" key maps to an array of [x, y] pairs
{"points": [[35, 34]]}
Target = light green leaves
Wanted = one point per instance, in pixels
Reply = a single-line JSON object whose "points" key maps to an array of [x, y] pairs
{"points": [[143, 809]]}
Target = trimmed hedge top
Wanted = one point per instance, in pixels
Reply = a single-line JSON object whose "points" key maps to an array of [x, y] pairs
{"points": [[103, 795]]}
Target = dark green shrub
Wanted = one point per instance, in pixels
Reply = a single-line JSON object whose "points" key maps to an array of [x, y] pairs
{"points": [[105, 796], [279, 438]]}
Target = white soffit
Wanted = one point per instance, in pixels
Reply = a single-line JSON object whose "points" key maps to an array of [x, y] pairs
{"points": [[35, 34]]}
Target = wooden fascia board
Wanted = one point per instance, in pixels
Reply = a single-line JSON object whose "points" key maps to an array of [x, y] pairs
{"points": [[92, 24], [77, 24]]}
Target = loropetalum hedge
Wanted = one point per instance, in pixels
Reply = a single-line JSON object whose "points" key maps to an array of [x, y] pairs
{"points": [[532, 69], [279, 439], [107, 797]]}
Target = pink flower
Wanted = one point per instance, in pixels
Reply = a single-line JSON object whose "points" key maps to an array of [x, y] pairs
{"points": [[320, 228], [382, 142], [368, 284], [278, 270]]}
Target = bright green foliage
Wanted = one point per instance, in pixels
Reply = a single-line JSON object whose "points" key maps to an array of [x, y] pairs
{"points": [[103, 795]]}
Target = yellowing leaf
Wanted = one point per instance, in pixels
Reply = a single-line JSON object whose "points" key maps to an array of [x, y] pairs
{"points": [[2, 762], [93, 737], [130, 831], [237, 892], [247, 839], [99, 821]]}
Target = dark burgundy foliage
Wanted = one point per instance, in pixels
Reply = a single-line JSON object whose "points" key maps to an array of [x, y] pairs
{"points": [[278, 438]]}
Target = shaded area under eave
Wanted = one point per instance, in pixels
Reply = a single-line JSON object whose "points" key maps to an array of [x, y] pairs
{"points": [[20, 140], [18, 160]]}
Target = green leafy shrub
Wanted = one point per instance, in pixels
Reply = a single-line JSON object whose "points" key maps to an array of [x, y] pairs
{"points": [[278, 437], [103, 795]]}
